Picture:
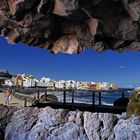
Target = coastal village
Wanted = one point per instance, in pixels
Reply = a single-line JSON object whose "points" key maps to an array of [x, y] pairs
{"points": [[26, 81]]}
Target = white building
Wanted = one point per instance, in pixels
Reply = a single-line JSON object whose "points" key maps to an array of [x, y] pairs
{"points": [[46, 82], [29, 83], [104, 86], [44, 79], [42, 84], [60, 84], [8, 83], [29, 80], [79, 85], [70, 84]]}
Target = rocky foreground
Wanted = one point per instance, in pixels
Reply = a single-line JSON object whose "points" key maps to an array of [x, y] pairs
{"points": [[51, 124], [70, 26]]}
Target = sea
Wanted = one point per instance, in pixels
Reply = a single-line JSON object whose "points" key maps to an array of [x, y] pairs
{"points": [[107, 98]]}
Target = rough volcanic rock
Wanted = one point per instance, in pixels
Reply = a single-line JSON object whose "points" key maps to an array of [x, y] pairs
{"points": [[76, 117], [59, 124], [99, 125], [70, 26], [68, 131], [47, 123], [128, 129], [5, 115]]}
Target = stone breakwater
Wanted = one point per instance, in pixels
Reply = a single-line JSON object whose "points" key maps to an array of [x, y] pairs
{"points": [[61, 124]]}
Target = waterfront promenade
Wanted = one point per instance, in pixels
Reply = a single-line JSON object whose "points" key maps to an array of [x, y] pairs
{"points": [[26, 95], [13, 102]]}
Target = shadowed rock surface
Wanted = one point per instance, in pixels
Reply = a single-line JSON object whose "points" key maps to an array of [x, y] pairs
{"points": [[71, 26], [5, 115], [61, 124]]}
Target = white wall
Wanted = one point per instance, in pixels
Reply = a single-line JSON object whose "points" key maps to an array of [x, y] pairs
{"points": [[8, 83], [29, 83]]}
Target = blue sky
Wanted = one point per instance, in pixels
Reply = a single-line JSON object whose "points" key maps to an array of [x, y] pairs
{"points": [[120, 68]]}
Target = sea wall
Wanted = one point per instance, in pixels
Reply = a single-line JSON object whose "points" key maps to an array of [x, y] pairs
{"points": [[61, 124]]}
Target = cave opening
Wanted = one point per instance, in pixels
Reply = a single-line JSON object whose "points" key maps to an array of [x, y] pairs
{"points": [[93, 86]]}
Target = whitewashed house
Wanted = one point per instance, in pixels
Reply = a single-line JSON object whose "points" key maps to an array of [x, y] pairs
{"points": [[29, 83], [70, 84], [104, 86], [46, 82], [44, 79], [60, 84], [80, 85], [8, 82], [29, 80]]}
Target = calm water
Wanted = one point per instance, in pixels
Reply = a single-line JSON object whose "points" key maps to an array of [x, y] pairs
{"points": [[86, 97]]}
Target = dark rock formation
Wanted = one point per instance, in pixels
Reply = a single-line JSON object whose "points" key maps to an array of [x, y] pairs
{"points": [[121, 102], [60, 124], [5, 115], [70, 26]]}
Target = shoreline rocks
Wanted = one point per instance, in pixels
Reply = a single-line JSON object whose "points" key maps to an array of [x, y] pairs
{"points": [[32, 123]]}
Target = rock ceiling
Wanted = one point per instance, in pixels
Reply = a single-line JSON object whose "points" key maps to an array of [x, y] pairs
{"points": [[71, 26]]}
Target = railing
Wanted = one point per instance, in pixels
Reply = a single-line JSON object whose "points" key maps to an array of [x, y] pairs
{"points": [[95, 94]]}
